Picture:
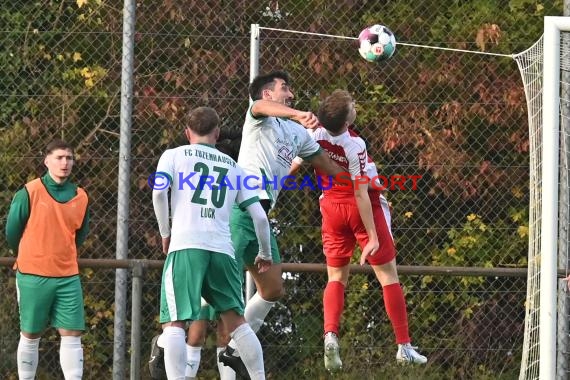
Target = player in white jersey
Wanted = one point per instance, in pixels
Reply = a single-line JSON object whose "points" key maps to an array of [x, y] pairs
{"points": [[273, 134], [205, 184], [228, 143]]}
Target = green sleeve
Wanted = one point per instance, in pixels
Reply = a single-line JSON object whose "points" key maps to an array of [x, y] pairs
{"points": [[17, 218], [82, 232], [243, 205], [313, 155]]}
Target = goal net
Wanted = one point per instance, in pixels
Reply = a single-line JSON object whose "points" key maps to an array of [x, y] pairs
{"points": [[545, 69]]}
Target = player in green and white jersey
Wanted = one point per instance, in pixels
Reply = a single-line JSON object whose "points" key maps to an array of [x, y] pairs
{"points": [[205, 184], [273, 134]]}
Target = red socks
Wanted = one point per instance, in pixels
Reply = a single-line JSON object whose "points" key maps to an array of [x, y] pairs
{"points": [[333, 305], [396, 309], [394, 301]]}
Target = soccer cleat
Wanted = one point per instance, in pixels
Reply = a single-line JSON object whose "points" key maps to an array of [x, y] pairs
{"points": [[332, 355], [156, 362], [229, 358], [408, 354]]}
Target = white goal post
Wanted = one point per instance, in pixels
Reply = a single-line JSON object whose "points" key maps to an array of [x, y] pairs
{"points": [[550, 158], [549, 221], [547, 93]]}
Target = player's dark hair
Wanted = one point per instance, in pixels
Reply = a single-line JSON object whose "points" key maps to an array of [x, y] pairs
{"points": [[202, 120], [229, 147], [334, 110], [56, 144], [266, 81], [230, 139]]}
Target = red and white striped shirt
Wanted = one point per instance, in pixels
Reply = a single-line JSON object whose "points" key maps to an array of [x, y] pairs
{"points": [[348, 150]]}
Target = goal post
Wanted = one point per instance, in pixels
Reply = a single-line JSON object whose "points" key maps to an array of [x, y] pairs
{"points": [[555, 61], [549, 220], [545, 69]]}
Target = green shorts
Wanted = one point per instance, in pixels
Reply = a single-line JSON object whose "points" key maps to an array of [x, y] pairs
{"points": [[190, 274], [49, 300], [244, 239], [207, 313]]}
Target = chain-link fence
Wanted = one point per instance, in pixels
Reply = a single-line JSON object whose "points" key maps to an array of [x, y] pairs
{"points": [[485, 343], [456, 119]]}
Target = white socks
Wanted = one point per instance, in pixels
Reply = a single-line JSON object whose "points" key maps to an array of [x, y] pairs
{"points": [[71, 357], [173, 339], [193, 355], [27, 357], [226, 372], [255, 312], [250, 351]]}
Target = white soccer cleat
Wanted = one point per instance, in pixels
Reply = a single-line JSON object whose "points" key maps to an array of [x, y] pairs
{"points": [[408, 354], [332, 355]]}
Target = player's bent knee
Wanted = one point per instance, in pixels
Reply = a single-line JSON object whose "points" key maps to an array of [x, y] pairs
{"points": [[196, 340], [272, 294], [65, 332], [270, 284], [31, 335], [232, 320], [180, 324]]}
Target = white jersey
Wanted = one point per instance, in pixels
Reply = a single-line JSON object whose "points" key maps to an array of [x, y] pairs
{"points": [[205, 184], [268, 147], [349, 152]]}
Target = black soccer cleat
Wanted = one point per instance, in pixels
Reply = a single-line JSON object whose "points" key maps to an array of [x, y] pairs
{"points": [[156, 362], [228, 359]]}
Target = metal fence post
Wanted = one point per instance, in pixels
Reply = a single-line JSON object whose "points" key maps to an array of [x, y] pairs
{"points": [[253, 72], [136, 316], [119, 364]]}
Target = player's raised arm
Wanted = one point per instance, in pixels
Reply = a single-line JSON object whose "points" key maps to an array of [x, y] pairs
{"points": [[265, 108], [323, 162], [310, 151], [296, 166]]}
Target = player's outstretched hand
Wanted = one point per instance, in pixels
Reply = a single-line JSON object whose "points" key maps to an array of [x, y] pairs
{"points": [[369, 249], [307, 120], [262, 264]]}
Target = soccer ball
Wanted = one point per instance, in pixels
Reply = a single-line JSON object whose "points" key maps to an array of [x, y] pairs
{"points": [[376, 43]]}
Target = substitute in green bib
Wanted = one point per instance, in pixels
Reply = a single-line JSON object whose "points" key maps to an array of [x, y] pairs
{"points": [[47, 222]]}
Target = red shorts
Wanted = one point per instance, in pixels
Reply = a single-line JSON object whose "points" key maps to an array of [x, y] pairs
{"points": [[343, 228]]}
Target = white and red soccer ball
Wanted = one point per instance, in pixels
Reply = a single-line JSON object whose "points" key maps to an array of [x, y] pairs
{"points": [[376, 43]]}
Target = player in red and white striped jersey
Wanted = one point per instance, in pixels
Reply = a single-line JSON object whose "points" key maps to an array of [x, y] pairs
{"points": [[352, 213]]}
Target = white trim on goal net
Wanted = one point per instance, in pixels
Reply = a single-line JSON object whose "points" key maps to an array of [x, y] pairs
{"points": [[549, 221], [540, 67]]}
